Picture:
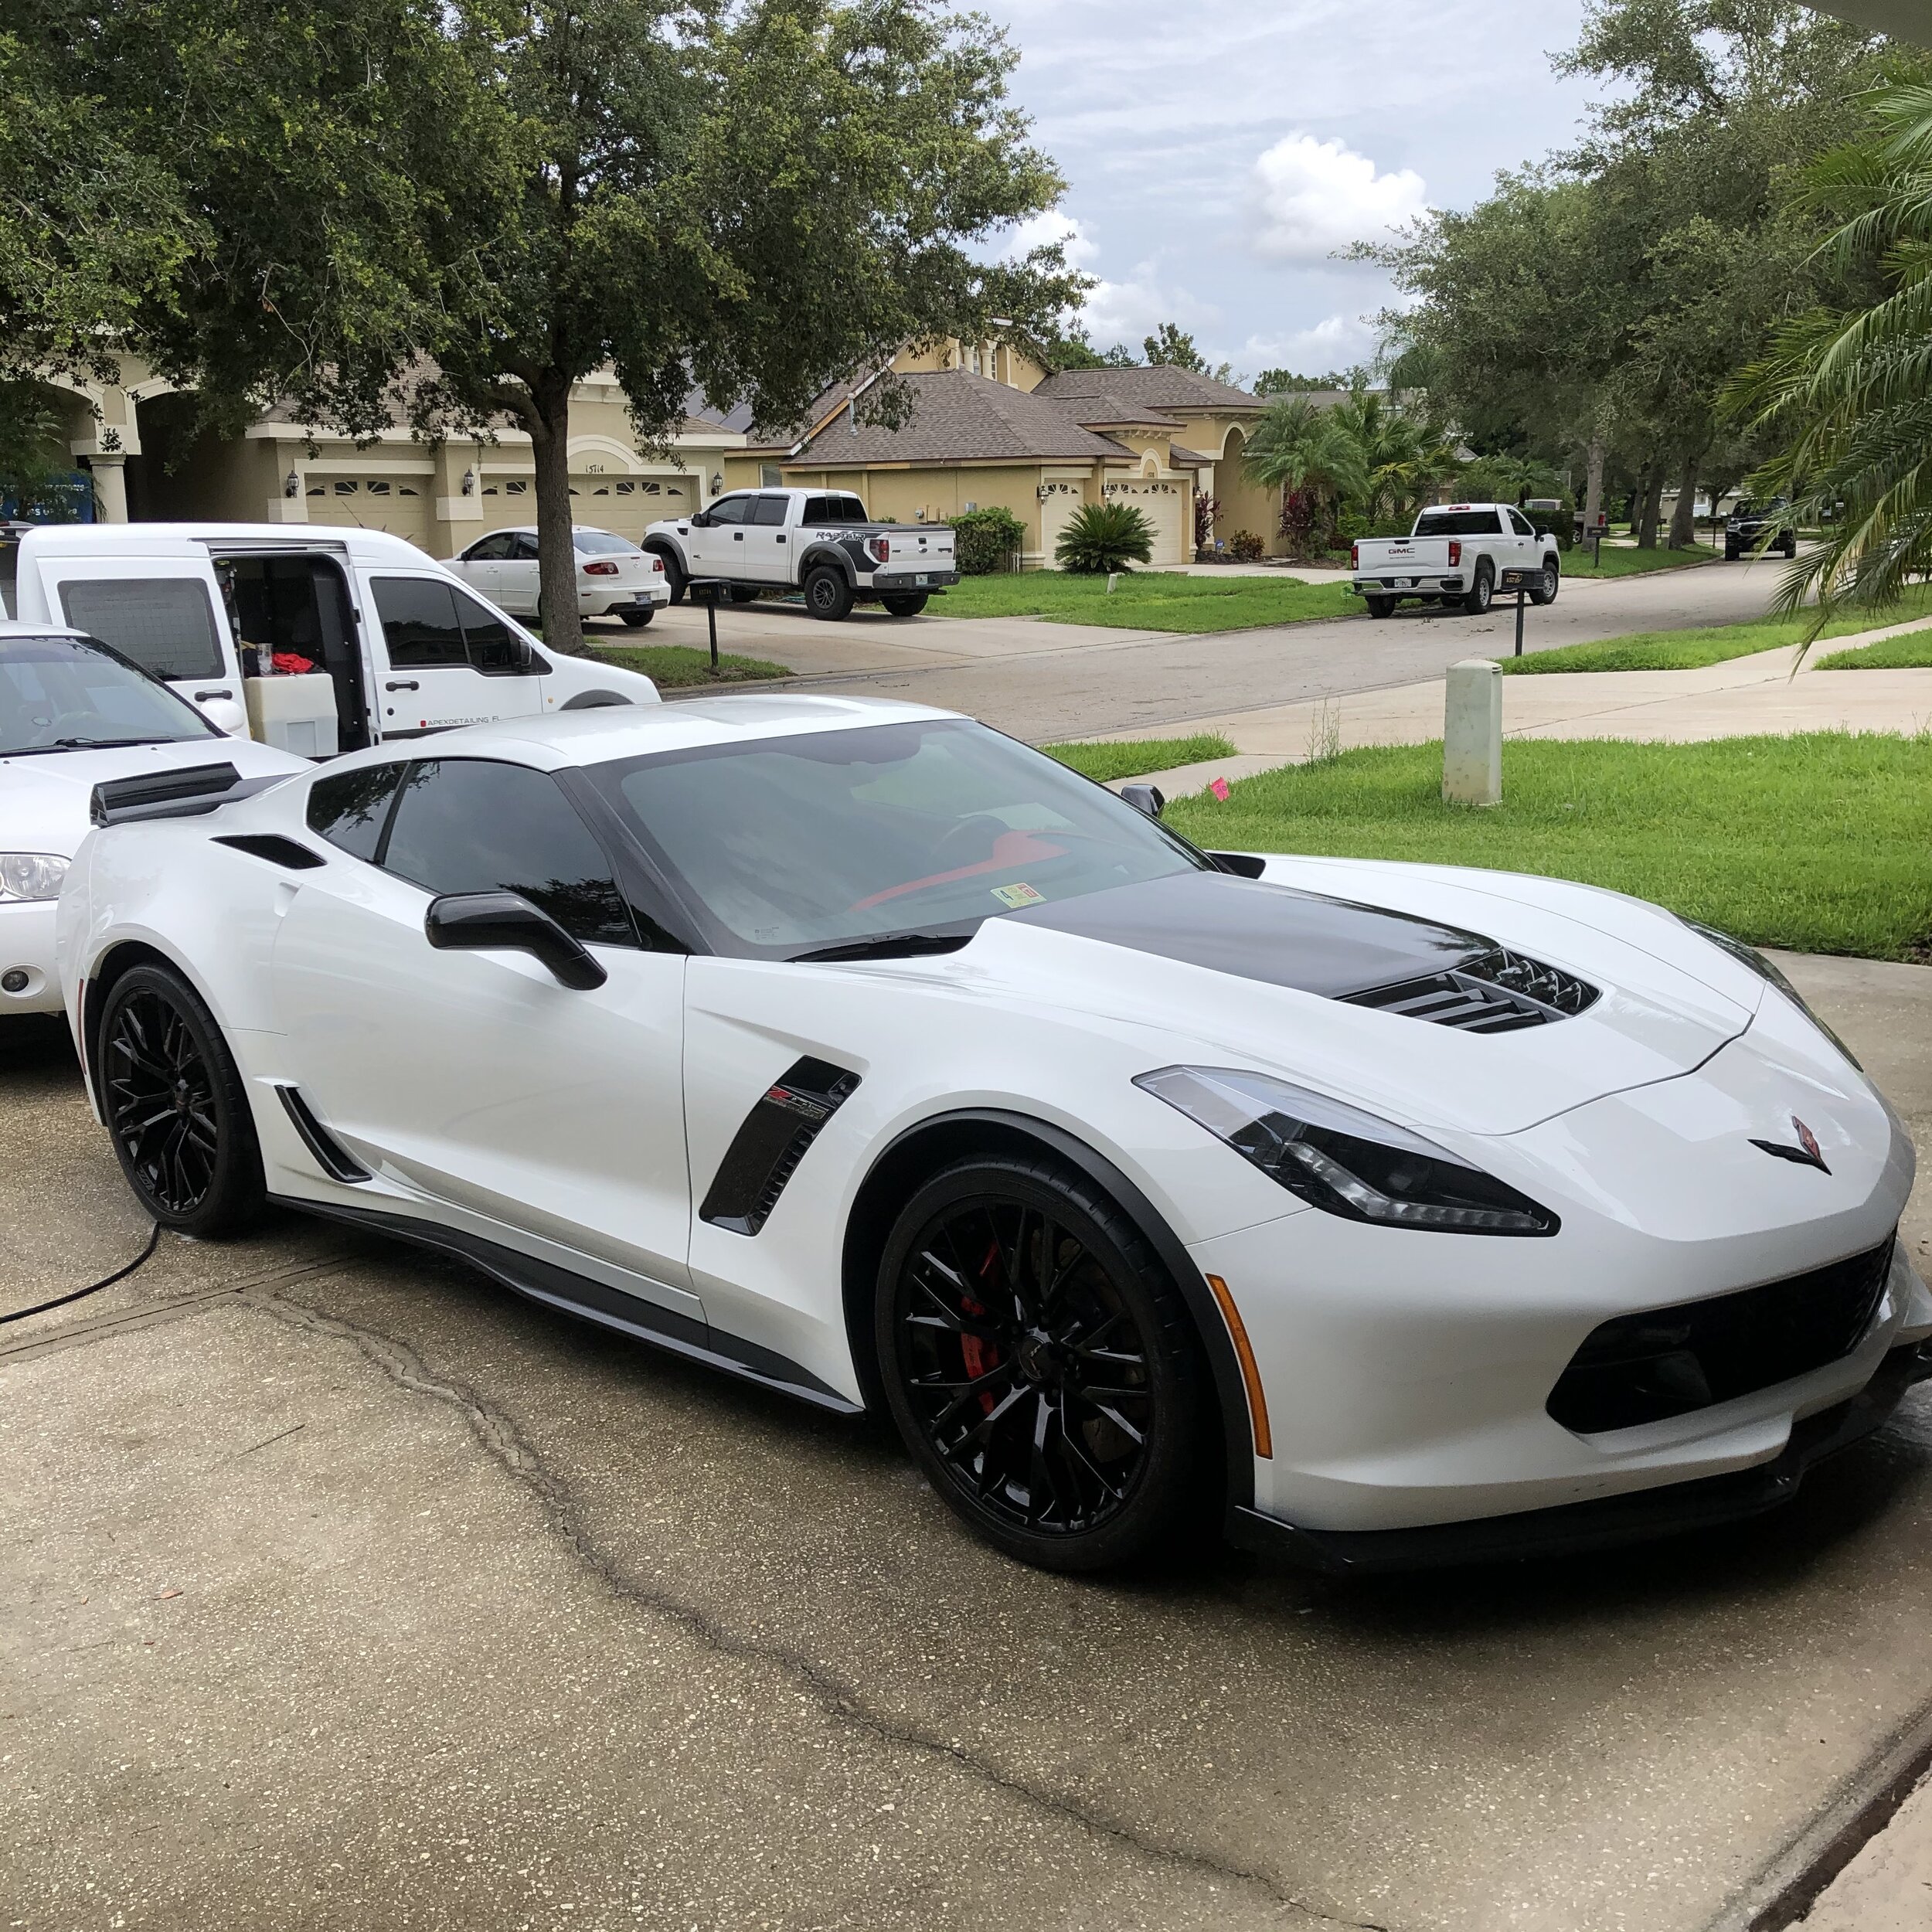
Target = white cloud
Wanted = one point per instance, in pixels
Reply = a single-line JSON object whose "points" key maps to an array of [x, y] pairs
{"points": [[1338, 341], [1040, 231], [1314, 198], [1127, 311]]}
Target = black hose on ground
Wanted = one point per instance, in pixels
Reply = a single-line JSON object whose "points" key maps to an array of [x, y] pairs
{"points": [[108, 1281]]}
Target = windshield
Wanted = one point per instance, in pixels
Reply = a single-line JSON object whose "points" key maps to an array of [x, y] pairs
{"points": [[787, 845], [68, 693], [596, 542]]}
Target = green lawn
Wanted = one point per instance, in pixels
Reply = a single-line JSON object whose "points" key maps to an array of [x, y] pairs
{"points": [[673, 667], [1685, 650], [1907, 653], [1822, 842], [1618, 562], [1123, 760], [1147, 600]]}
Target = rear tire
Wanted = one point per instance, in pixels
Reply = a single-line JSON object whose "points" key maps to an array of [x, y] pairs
{"points": [[1380, 607], [637, 620], [1476, 603], [1082, 1444], [1730, 554], [827, 595], [176, 1106], [909, 605]]}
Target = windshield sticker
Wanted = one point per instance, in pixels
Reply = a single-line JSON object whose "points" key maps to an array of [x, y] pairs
{"points": [[1019, 896]]}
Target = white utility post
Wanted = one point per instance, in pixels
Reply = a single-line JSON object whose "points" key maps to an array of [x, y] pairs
{"points": [[1472, 732]]}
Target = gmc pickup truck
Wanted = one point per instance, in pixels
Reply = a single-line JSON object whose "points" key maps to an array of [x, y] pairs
{"points": [[1457, 553], [820, 541]]}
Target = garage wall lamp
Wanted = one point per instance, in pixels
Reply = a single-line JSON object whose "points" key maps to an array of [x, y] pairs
{"points": [[469, 481], [292, 483]]}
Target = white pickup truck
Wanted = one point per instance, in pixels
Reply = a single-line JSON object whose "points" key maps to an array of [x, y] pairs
{"points": [[1457, 553], [820, 541]]}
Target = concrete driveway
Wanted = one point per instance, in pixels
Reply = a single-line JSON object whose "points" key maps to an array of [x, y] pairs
{"points": [[344, 1590], [1041, 680]]}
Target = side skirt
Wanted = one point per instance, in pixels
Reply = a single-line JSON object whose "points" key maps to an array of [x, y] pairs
{"points": [[593, 1301]]}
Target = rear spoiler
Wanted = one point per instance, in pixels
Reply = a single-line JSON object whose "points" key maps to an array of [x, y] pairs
{"points": [[186, 794]]}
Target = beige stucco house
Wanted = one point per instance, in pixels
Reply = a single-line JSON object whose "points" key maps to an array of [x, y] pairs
{"points": [[989, 425]]}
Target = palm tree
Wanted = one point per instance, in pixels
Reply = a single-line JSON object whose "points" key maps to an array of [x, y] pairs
{"points": [[1314, 460], [1405, 454], [1852, 389]]}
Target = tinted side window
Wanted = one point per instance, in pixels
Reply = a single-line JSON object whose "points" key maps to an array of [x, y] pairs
{"points": [[419, 621], [166, 625], [1521, 524], [771, 509], [494, 648], [731, 509], [350, 808], [524, 547], [492, 549], [474, 825]]}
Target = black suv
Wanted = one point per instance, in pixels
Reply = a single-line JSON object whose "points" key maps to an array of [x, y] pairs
{"points": [[1745, 527]]}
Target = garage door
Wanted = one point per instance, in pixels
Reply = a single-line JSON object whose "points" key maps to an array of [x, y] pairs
{"points": [[399, 504], [1165, 506], [628, 506]]}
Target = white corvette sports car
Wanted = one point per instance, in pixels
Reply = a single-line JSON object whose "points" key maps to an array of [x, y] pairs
{"points": [[1415, 1214]]}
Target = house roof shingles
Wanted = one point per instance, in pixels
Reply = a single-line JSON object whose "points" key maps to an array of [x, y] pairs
{"points": [[959, 417], [1160, 386]]}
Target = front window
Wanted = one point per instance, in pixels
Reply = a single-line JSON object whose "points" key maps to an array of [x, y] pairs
{"points": [[789, 845], [68, 693], [166, 625]]}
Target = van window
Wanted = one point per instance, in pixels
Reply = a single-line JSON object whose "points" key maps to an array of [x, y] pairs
{"points": [[476, 825], [419, 623], [166, 625], [493, 648]]}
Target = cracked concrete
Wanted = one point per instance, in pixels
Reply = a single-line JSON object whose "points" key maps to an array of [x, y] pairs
{"points": [[343, 1588]]}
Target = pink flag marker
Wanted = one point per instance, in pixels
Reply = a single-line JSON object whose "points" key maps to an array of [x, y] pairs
{"points": [[1219, 788]]}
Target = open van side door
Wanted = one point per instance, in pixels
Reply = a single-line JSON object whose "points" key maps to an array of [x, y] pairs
{"points": [[155, 598]]}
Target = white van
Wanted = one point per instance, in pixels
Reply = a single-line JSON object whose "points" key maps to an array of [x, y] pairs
{"points": [[401, 647]]}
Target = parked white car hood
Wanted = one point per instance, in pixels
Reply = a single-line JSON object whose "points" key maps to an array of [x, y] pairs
{"points": [[44, 796], [1244, 973]]}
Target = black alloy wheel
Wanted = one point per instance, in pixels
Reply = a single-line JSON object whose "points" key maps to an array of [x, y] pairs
{"points": [[1041, 1366], [907, 606], [1476, 602], [1546, 586], [175, 1105], [827, 595]]}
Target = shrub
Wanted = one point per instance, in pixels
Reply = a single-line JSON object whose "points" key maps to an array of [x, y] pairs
{"points": [[1245, 547], [988, 541], [1103, 537], [1206, 508]]}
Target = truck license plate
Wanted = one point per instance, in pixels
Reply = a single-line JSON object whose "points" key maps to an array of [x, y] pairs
{"points": [[922, 580], [1399, 583]]}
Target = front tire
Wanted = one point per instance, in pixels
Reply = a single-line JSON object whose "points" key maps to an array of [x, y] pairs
{"points": [[1041, 1365], [176, 1106], [1476, 603], [909, 605], [1545, 592], [827, 595], [637, 620]]}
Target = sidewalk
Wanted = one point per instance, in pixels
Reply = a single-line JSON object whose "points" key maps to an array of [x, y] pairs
{"points": [[1769, 693]]}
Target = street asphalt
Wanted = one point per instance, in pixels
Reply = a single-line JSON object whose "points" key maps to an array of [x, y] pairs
{"points": [[343, 1589], [1042, 682]]}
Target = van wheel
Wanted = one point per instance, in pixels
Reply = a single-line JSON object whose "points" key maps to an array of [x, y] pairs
{"points": [[827, 595], [905, 607], [1476, 602]]}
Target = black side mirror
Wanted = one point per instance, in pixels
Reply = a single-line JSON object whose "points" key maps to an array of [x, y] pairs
{"points": [[701, 520], [1147, 798], [507, 922]]}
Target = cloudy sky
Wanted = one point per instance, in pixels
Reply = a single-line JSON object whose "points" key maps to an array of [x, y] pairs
{"points": [[1218, 151]]}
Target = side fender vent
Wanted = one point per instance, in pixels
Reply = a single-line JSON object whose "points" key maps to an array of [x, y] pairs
{"points": [[276, 849], [1498, 992], [331, 1156], [776, 1136]]}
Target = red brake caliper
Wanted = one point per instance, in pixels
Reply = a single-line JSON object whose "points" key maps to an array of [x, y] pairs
{"points": [[979, 1356]]}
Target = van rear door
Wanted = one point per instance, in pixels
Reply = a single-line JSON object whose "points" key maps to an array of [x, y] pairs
{"points": [[160, 606]]}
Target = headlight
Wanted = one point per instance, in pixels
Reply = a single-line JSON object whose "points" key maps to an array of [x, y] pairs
{"points": [[1343, 1161], [31, 875], [1746, 955]]}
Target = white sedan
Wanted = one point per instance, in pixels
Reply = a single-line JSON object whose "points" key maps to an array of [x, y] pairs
{"points": [[1383, 1214], [75, 714], [615, 578]]}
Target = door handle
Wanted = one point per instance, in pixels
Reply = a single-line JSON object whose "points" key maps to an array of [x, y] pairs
{"points": [[404, 684], [202, 697], [737, 536], [781, 539]]}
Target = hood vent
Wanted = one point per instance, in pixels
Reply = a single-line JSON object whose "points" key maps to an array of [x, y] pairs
{"points": [[1497, 992]]}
